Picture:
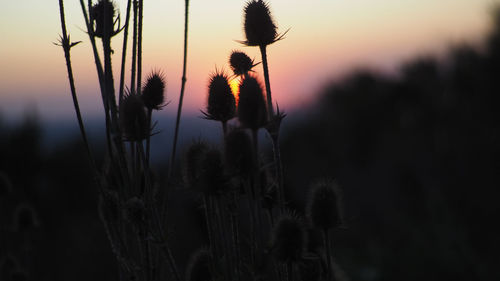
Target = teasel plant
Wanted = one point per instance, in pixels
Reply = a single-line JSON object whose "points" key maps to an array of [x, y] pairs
{"points": [[324, 213], [261, 31], [251, 236], [130, 207]]}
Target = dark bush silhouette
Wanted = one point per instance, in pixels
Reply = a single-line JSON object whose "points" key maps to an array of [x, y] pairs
{"points": [[417, 156]]}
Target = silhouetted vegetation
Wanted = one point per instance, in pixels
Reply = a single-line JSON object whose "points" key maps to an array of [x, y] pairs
{"points": [[415, 160], [417, 157]]}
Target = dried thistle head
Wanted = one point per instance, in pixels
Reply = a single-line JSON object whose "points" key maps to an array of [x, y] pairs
{"points": [[252, 111], [192, 164], [153, 91], [323, 205], [213, 179], [102, 15], [199, 266], [239, 154], [240, 63], [25, 218], [259, 26], [289, 239], [133, 118], [221, 105]]}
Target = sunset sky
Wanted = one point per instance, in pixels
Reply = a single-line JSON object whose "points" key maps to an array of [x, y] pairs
{"points": [[327, 39]]}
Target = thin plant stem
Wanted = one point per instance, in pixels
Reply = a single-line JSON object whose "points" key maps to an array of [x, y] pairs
{"points": [[181, 97], [109, 81], [134, 48], [326, 237], [289, 269], [148, 138], [164, 246], [66, 45], [224, 128], [235, 234], [209, 221], [98, 64], [279, 172], [139, 48], [124, 53], [270, 109]]}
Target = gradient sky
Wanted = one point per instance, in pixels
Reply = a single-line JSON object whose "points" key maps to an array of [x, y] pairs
{"points": [[327, 39]]}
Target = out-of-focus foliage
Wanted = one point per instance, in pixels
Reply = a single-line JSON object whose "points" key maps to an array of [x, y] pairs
{"points": [[418, 157]]}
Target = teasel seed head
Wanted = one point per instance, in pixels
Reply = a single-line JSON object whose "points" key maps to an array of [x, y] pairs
{"points": [[25, 218], [102, 15], [199, 266], [252, 111], [133, 118], [192, 164], [153, 91], [259, 26], [323, 206], [5, 185], [135, 211], [240, 63], [239, 154], [213, 179], [221, 105], [289, 239]]}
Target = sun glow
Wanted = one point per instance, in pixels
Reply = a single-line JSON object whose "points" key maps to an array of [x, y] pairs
{"points": [[235, 87]]}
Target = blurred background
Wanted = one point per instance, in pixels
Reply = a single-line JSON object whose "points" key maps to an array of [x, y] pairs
{"points": [[396, 99]]}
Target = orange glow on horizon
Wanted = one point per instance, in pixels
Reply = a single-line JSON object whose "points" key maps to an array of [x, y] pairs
{"points": [[235, 88]]}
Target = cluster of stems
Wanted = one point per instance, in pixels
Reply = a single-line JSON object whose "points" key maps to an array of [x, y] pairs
{"points": [[251, 233]]}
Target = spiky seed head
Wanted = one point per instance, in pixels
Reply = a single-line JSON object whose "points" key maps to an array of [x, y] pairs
{"points": [[25, 218], [213, 179], [133, 118], [5, 185], [135, 211], [289, 238], [192, 164], [153, 91], [240, 63], [221, 105], [323, 205], [199, 265], [239, 154], [102, 15], [252, 111], [259, 26]]}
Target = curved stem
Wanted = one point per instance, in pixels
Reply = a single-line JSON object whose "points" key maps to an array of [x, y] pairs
{"points": [[139, 48], [181, 97], [66, 44], [124, 53], [134, 49]]}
